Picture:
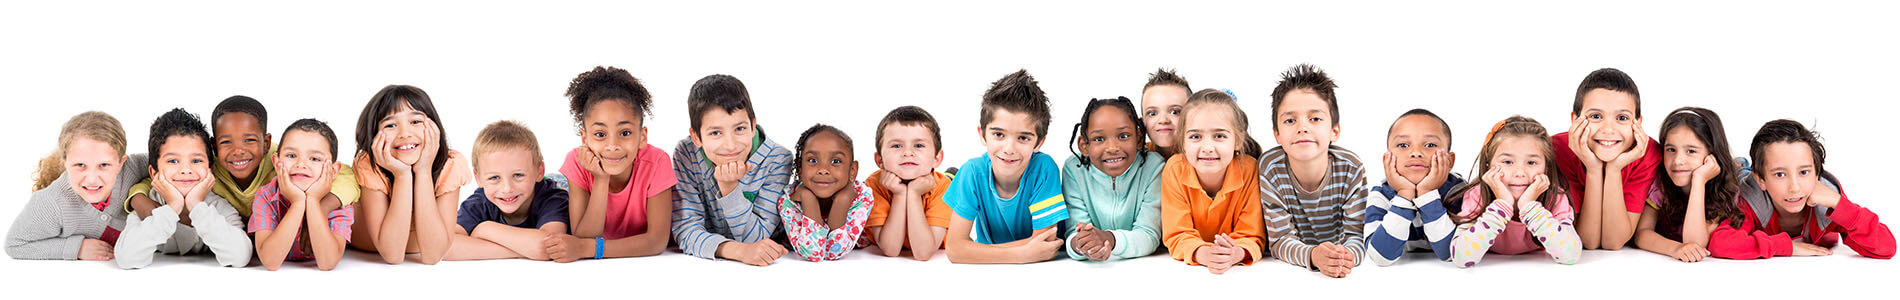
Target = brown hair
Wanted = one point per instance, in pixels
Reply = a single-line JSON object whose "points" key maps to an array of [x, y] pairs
{"points": [[504, 135], [908, 115], [1017, 92], [1608, 79], [93, 125], [1207, 97], [1165, 77], [1515, 126], [1306, 77]]}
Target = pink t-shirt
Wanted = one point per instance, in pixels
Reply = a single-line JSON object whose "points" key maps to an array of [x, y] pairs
{"points": [[626, 208], [1516, 238]]}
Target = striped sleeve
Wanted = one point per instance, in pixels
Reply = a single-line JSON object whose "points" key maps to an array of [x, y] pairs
{"points": [[751, 210], [1438, 223], [1354, 223], [1389, 223], [689, 216]]}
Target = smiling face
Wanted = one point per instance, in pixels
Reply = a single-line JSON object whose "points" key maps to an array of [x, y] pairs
{"points": [[241, 143], [1789, 174], [183, 158], [827, 165], [1110, 140], [1613, 113], [1415, 141], [1161, 113], [303, 156], [92, 168], [907, 151], [507, 178], [612, 130], [1304, 126], [725, 136], [1209, 140], [1682, 154], [1520, 159], [407, 125], [1010, 139]]}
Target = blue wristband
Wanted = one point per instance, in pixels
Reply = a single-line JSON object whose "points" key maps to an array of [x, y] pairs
{"points": [[600, 246]]}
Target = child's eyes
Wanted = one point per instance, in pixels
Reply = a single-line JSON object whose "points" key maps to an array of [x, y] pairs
{"points": [[996, 134], [1287, 121], [415, 122], [1124, 136], [1148, 113], [835, 161], [1315, 120], [389, 125], [1022, 138], [1532, 163], [1220, 136], [1780, 174], [918, 146], [811, 160], [1596, 116], [290, 155], [1174, 111], [1098, 139], [197, 161], [600, 134], [1194, 136], [492, 178], [626, 133], [520, 175], [1804, 172], [1622, 118], [1405, 145]]}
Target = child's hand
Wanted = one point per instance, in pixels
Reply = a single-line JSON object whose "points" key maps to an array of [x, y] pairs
{"points": [[1494, 180], [1341, 260], [1405, 187], [1636, 152], [1690, 253], [921, 185], [95, 250], [590, 161], [1822, 195], [727, 175], [1580, 132], [1709, 170], [1441, 170], [431, 144], [384, 153], [291, 192], [1535, 191], [321, 187], [163, 187], [891, 183], [1806, 249], [200, 190], [1105, 248], [563, 248], [760, 253]]}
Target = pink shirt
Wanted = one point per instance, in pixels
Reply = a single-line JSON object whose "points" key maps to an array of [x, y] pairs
{"points": [[1516, 238], [626, 208]]}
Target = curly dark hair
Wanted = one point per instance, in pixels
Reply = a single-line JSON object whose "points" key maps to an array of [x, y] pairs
{"points": [[606, 84], [176, 123]]}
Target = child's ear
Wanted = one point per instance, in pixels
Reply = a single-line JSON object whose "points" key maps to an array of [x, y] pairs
{"points": [[267, 140], [540, 168], [851, 171], [693, 135], [876, 159], [939, 160], [1335, 138]]}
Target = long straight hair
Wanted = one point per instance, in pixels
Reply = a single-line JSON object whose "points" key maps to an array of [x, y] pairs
{"points": [[1719, 194]]}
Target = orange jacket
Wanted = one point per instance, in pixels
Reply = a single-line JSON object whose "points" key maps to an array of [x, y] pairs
{"points": [[1190, 219]]}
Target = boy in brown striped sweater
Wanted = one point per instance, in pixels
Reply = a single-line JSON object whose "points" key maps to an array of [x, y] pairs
{"points": [[1313, 193]]}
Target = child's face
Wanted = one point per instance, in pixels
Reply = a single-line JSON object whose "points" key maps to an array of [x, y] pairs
{"points": [[241, 141], [1520, 159], [1110, 140], [1613, 114], [612, 130], [407, 125], [92, 168], [828, 166], [1010, 139], [1305, 126], [725, 136], [183, 160], [1682, 155], [1789, 174], [1161, 113], [507, 178], [303, 156], [908, 152], [1415, 141], [1210, 140]]}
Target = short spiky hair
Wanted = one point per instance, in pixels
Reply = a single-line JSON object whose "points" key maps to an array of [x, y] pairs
{"points": [[1609, 79], [719, 91], [1306, 77], [505, 135], [313, 126], [606, 84], [1786, 131], [176, 123], [1019, 93], [913, 116], [1165, 77], [244, 105]]}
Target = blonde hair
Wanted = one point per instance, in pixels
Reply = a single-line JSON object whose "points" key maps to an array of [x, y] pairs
{"points": [[505, 135], [1207, 97], [93, 125]]}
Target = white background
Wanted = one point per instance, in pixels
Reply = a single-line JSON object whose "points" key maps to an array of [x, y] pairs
{"points": [[1826, 64]]}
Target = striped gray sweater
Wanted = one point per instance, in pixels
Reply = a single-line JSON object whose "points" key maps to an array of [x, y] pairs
{"points": [[56, 220], [1298, 219]]}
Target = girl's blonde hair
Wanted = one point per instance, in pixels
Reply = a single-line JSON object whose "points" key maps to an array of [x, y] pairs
{"points": [[93, 125], [1208, 98]]}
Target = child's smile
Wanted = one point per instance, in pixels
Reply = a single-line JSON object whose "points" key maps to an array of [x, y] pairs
{"points": [[1304, 125]]}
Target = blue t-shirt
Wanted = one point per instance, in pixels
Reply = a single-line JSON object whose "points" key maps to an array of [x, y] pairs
{"points": [[549, 205], [1038, 202]]}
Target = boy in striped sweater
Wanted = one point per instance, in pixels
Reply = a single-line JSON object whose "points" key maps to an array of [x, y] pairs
{"points": [[1313, 194], [1407, 212], [730, 178]]}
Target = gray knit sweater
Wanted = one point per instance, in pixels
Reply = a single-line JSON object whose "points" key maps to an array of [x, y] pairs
{"points": [[56, 220]]}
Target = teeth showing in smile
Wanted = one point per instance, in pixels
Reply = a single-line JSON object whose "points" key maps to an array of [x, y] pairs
{"points": [[405, 147]]}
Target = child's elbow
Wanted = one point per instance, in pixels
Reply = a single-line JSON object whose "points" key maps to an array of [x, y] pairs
{"points": [[326, 264]]}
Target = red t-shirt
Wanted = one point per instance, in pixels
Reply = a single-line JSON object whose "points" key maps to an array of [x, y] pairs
{"points": [[1637, 177]]}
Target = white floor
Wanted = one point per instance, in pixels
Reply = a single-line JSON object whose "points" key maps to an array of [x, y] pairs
{"points": [[1628, 273]]}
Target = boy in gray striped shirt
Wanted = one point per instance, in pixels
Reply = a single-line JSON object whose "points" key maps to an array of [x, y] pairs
{"points": [[730, 178], [1313, 194]]}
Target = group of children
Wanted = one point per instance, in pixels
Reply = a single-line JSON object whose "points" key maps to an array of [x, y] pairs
{"points": [[1180, 169]]}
